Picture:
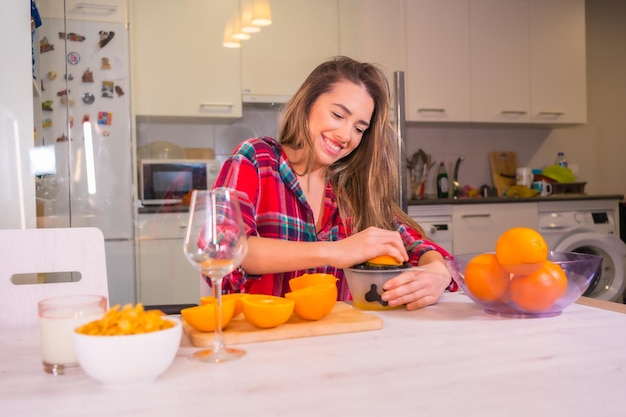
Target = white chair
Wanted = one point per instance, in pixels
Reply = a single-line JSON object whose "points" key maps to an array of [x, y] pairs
{"points": [[53, 250]]}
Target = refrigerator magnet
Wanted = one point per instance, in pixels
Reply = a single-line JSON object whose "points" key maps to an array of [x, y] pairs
{"points": [[107, 89], [105, 38], [45, 45], [46, 105], [73, 58], [104, 118], [87, 76], [105, 64], [88, 98], [119, 91]]}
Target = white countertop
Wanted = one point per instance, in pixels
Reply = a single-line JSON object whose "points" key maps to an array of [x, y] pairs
{"points": [[451, 359]]}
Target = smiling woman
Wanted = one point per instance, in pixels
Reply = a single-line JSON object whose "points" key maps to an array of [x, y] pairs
{"points": [[326, 187]]}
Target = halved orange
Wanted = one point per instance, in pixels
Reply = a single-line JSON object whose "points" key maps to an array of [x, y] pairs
{"points": [[314, 302], [267, 311], [385, 260], [235, 296], [202, 317], [307, 280]]}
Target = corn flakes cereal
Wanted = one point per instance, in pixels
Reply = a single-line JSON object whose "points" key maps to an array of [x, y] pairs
{"points": [[125, 321]]}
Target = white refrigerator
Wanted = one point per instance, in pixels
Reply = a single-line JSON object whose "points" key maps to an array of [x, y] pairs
{"points": [[85, 123]]}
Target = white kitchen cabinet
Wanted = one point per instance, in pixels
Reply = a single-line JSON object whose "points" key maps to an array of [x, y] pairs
{"points": [[165, 274], [478, 226], [179, 66], [528, 61], [93, 11], [496, 61], [500, 77], [275, 61], [381, 46], [438, 61], [558, 61]]}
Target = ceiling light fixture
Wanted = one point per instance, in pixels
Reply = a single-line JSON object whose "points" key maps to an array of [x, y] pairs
{"points": [[261, 13], [247, 11], [230, 41]]}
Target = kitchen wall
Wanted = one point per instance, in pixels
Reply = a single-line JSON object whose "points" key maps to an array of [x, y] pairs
{"points": [[595, 150]]}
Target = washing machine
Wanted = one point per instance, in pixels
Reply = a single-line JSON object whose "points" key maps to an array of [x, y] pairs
{"points": [[589, 226], [436, 220]]}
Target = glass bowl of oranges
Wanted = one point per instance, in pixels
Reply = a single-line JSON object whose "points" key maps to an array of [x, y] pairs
{"points": [[525, 290], [522, 278]]}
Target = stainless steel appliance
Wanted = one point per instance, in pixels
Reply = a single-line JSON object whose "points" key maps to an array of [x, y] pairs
{"points": [[399, 119], [166, 181]]}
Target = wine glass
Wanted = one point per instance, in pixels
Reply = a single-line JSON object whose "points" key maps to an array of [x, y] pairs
{"points": [[216, 243]]}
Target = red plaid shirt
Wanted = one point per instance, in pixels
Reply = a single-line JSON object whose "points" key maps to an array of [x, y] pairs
{"points": [[274, 206]]}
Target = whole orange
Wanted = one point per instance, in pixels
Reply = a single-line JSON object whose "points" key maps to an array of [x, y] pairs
{"points": [[485, 278], [539, 291], [202, 317], [521, 250], [314, 302]]}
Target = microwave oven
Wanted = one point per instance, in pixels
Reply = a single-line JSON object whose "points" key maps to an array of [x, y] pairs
{"points": [[166, 181]]}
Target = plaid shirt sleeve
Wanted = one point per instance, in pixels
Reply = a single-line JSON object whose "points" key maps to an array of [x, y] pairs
{"points": [[416, 245]]}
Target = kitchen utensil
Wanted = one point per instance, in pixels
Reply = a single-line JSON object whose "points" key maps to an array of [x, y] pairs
{"points": [[342, 319], [524, 177], [366, 285], [503, 166]]}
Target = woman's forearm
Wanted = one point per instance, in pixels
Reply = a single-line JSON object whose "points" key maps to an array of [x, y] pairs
{"points": [[270, 256]]}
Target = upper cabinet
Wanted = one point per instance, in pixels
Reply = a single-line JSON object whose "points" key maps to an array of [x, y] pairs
{"points": [[275, 61], [438, 61], [179, 66], [382, 46], [558, 61], [95, 11], [500, 60], [496, 61]]}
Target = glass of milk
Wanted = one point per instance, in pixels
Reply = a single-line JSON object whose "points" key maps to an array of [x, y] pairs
{"points": [[58, 318]]}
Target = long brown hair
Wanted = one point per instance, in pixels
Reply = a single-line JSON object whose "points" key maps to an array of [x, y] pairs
{"points": [[365, 181]]}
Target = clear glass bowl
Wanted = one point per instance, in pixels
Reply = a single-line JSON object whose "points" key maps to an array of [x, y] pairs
{"points": [[580, 269]]}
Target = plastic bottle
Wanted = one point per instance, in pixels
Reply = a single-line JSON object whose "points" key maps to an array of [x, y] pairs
{"points": [[442, 181], [560, 160]]}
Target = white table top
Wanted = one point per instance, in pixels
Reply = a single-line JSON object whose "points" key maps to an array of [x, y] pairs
{"points": [[451, 359]]}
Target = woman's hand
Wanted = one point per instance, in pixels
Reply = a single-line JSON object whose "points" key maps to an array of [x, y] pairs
{"points": [[418, 289], [366, 245]]}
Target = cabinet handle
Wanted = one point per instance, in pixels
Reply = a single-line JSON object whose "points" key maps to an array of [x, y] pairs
{"points": [[468, 216], [96, 6], [512, 112], [551, 113], [434, 110], [216, 105]]}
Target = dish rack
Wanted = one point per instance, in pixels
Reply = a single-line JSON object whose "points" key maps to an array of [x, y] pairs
{"points": [[568, 187]]}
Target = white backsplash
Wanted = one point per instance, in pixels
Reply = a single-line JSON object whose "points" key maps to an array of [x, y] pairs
{"points": [[443, 143]]}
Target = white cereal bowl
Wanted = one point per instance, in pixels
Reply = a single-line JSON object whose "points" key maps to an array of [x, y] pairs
{"points": [[128, 359]]}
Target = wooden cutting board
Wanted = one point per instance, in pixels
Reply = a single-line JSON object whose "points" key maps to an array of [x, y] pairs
{"points": [[342, 319], [503, 166]]}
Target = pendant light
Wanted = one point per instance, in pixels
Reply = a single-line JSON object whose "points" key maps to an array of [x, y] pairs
{"points": [[261, 13], [247, 11], [229, 41]]}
